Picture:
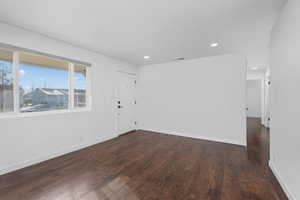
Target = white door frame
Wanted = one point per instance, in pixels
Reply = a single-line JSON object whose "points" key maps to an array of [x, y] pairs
{"points": [[117, 73], [264, 102]]}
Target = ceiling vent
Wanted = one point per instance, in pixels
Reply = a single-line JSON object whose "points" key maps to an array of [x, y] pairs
{"points": [[179, 58]]}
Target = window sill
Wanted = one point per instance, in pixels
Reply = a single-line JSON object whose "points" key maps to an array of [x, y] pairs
{"points": [[11, 115]]}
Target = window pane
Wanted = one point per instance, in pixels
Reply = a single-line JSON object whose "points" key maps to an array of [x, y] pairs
{"points": [[6, 82], [44, 84], [80, 86]]}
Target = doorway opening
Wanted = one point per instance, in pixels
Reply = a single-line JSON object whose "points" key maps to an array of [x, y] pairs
{"points": [[257, 109]]}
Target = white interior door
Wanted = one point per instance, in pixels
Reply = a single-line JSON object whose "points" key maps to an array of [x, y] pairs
{"points": [[126, 102]]}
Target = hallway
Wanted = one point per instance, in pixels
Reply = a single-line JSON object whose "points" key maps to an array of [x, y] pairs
{"points": [[258, 150], [258, 142]]}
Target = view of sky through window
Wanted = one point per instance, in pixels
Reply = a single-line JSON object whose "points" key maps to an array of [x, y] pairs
{"points": [[33, 77]]}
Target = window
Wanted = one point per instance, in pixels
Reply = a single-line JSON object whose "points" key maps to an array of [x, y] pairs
{"points": [[80, 86], [6, 82], [44, 83], [33, 82]]}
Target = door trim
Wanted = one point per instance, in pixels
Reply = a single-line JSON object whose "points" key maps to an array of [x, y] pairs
{"points": [[117, 73]]}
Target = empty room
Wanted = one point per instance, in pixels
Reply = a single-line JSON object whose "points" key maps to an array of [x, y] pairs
{"points": [[149, 100]]}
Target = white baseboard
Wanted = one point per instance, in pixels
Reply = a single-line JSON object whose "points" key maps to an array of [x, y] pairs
{"points": [[280, 180], [222, 140], [30, 162]]}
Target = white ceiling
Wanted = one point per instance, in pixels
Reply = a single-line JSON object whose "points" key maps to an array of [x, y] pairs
{"points": [[162, 29]]}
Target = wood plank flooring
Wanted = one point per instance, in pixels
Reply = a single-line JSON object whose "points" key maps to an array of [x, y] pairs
{"points": [[149, 166]]}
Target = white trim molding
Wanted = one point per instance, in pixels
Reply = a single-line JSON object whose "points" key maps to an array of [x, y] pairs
{"points": [[71, 85], [280, 180], [208, 138], [16, 81], [12, 115], [20, 49]]}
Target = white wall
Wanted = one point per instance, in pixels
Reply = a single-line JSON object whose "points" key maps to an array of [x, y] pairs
{"points": [[254, 98], [27, 140], [285, 99], [201, 98]]}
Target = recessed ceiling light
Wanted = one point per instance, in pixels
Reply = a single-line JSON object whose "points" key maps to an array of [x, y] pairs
{"points": [[254, 68], [146, 57], [214, 44]]}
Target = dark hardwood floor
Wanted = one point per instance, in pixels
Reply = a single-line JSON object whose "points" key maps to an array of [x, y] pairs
{"points": [[258, 142], [145, 165]]}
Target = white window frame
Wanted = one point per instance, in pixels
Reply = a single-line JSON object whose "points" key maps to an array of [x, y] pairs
{"points": [[16, 90], [71, 86], [16, 82]]}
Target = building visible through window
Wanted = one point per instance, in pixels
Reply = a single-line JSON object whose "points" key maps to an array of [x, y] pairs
{"points": [[35, 82], [80, 86], [44, 84]]}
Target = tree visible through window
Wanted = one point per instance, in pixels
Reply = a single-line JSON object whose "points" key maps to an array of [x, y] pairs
{"points": [[6, 82]]}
